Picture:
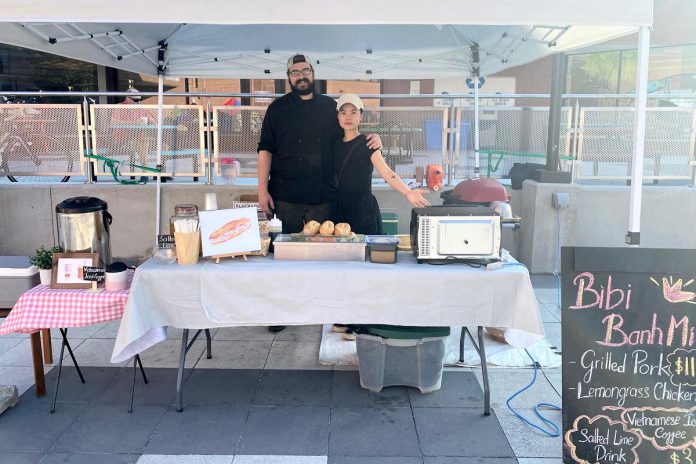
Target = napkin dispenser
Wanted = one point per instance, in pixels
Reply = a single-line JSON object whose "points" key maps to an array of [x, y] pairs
{"points": [[471, 232]]}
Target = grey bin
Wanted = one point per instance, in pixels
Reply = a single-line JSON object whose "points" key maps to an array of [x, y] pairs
{"points": [[386, 362]]}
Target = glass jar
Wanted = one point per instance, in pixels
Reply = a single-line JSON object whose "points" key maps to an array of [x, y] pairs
{"points": [[182, 212]]}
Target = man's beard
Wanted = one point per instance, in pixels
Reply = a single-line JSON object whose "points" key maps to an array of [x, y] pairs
{"points": [[307, 91]]}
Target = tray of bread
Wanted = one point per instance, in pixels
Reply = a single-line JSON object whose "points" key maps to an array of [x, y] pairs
{"points": [[321, 242]]}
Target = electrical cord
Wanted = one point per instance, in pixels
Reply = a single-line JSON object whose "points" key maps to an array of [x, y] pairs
{"points": [[555, 430]]}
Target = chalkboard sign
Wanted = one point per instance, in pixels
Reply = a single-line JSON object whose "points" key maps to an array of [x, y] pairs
{"points": [[629, 355], [165, 241], [93, 274]]}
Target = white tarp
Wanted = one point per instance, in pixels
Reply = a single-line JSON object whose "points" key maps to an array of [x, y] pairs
{"points": [[358, 40]]}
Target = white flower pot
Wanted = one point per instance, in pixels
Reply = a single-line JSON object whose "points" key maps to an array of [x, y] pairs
{"points": [[45, 276]]}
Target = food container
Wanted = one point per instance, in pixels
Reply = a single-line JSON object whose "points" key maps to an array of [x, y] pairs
{"points": [[230, 169], [382, 248], [116, 277], [17, 276], [319, 248]]}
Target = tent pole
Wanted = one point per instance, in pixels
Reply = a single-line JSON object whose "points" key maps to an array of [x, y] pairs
{"points": [[477, 162], [633, 235], [158, 206]]}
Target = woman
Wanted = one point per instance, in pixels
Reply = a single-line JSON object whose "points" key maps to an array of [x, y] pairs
{"points": [[354, 164]]}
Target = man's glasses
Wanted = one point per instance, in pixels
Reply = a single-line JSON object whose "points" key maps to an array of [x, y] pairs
{"points": [[300, 72]]}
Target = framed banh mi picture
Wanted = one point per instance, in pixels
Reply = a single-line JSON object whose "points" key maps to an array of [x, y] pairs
{"points": [[229, 231]]}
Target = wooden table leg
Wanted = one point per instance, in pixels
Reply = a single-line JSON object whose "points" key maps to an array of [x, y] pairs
{"points": [[38, 364], [47, 346]]}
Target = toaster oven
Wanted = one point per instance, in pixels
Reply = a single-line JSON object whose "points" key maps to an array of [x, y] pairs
{"points": [[456, 233]]}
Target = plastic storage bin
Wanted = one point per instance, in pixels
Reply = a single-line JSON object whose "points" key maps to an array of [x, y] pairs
{"points": [[17, 276], [390, 221], [386, 362]]}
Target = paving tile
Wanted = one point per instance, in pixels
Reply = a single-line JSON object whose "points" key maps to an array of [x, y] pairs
{"points": [[220, 386], [244, 333], [555, 379], [21, 458], [470, 433], [199, 429], [279, 460], [507, 382], [347, 392], [160, 389], [295, 355], [107, 330], [547, 296], [373, 432], [236, 355], [20, 354], [294, 388], [541, 281], [86, 331], [300, 431], [90, 458], [22, 377], [167, 352], [8, 342], [300, 333], [547, 315], [374, 460], [526, 441], [31, 427], [468, 460], [185, 459], [71, 388], [175, 333], [553, 334], [107, 428], [459, 390], [95, 352], [540, 461]]}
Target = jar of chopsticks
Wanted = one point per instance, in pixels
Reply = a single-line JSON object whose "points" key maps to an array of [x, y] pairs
{"points": [[187, 238]]}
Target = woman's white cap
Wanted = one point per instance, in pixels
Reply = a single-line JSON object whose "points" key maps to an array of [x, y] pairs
{"points": [[349, 98]]}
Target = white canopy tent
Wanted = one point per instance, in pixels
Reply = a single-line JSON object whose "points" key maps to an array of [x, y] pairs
{"points": [[361, 39]]}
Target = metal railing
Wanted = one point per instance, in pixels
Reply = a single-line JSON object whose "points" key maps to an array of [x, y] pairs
{"points": [[52, 139]]}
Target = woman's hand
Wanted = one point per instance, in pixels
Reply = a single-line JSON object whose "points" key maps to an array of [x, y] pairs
{"points": [[416, 198]]}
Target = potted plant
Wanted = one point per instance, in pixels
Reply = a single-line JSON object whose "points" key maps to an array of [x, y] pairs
{"points": [[43, 259]]}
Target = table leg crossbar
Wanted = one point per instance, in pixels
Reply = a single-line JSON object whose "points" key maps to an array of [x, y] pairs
{"points": [[66, 344], [185, 347], [481, 350]]}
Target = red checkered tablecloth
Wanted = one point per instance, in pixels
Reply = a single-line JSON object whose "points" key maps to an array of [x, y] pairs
{"points": [[43, 307]]}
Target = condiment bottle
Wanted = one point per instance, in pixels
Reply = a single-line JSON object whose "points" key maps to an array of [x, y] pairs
{"points": [[183, 212], [275, 227]]}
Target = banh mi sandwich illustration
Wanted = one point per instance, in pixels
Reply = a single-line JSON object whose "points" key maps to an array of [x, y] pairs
{"points": [[229, 231]]}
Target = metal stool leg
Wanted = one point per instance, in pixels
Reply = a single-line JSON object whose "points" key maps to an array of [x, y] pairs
{"points": [[60, 368], [136, 361], [208, 344], [180, 376], [484, 373], [461, 344], [64, 332]]}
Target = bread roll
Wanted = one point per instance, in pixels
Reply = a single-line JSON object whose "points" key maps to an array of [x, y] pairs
{"points": [[342, 229], [311, 228], [327, 228]]}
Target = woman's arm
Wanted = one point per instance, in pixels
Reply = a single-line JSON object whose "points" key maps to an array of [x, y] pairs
{"points": [[415, 197]]}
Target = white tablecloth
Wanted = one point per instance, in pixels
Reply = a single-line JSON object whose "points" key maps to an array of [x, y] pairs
{"points": [[263, 291]]}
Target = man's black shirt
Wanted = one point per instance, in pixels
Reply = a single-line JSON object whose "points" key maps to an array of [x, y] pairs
{"points": [[300, 134]]}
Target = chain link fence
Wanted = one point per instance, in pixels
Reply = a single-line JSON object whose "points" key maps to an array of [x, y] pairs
{"points": [[41, 140], [128, 134], [605, 145], [48, 140]]}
